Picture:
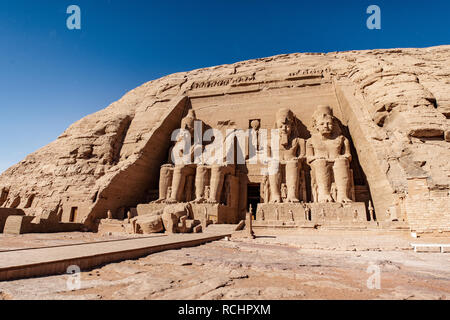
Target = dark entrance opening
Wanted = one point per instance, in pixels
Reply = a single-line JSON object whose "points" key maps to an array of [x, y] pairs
{"points": [[73, 214], [253, 197]]}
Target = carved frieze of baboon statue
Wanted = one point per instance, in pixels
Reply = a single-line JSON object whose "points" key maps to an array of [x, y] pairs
{"points": [[328, 154], [291, 152]]}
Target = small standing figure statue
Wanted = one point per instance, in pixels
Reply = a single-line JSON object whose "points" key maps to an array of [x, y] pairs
{"points": [[254, 145], [265, 189], [291, 214], [169, 191], [307, 213], [283, 192], [129, 216], [109, 214], [207, 192], [355, 215], [371, 215], [277, 214], [262, 215], [248, 224]]}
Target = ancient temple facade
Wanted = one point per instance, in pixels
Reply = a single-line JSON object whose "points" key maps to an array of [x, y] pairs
{"points": [[277, 168], [362, 137]]}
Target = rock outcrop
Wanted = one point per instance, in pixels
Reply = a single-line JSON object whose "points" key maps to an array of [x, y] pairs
{"points": [[395, 104]]}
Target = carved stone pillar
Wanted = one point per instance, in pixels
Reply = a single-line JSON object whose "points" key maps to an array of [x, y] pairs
{"points": [[165, 181], [249, 225], [292, 180], [200, 182], [341, 176], [275, 183], [180, 172], [216, 183], [178, 182], [323, 179], [234, 192], [189, 189]]}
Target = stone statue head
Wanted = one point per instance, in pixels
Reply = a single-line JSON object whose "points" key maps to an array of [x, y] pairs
{"points": [[323, 120], [254, 124], [284, 121], [187, 127], [187, 123]]}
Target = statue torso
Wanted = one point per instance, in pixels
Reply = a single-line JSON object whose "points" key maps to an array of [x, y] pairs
{"points": [[327, 148], [290, 151]]}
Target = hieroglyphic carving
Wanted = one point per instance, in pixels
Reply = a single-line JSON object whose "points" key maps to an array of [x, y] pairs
{"points": [[308, 73], [205, 84], [211, 83]]}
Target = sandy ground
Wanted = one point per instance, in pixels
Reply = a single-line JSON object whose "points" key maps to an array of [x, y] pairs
{"points": [[310, 264], [42, 240]]}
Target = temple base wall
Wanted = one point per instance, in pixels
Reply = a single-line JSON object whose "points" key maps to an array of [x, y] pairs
{"points": [[427, 210], [312, 212], [24, 224], [217, 213]]}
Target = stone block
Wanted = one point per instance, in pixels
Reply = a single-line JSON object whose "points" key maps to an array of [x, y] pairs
{"points": [[5, 213], [149, 224]]}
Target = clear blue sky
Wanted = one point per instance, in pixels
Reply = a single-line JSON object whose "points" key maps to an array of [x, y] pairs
{"points": [[51, 76]]}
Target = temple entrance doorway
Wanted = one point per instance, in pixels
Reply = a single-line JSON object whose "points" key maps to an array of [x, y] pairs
{"points": [[253, 197], [73, 214]]}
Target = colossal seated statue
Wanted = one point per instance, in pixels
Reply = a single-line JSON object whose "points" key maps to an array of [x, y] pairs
{"points": [[211, 172], [328, 154], [291, 151], [219, 171], [178, 173], [182, 175]]}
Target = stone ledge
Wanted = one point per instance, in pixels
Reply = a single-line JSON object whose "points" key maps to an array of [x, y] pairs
{"points": [[55, 260], [431, 247]]}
